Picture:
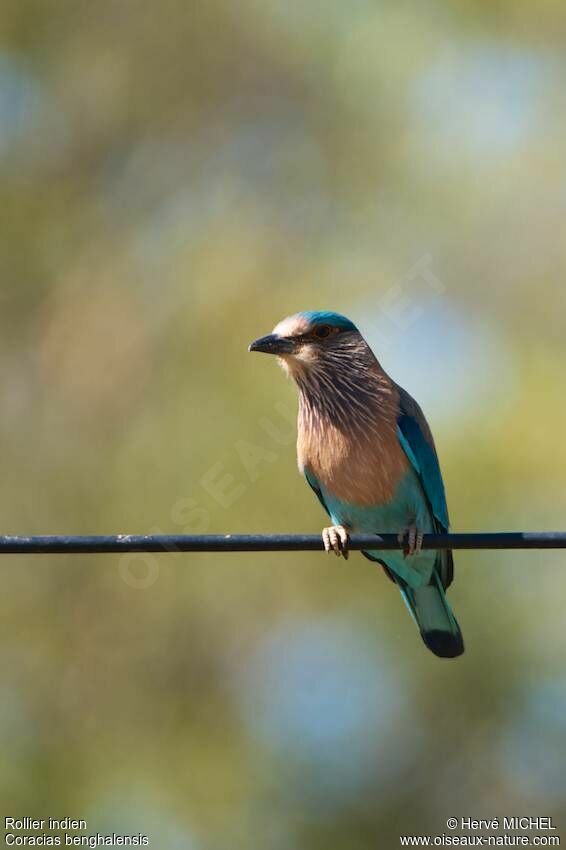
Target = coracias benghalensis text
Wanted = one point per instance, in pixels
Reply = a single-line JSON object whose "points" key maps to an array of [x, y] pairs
{"points": [[366, 450]]}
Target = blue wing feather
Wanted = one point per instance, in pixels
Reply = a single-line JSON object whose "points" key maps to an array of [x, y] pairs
{"points": [[313, 483], [417, 444]]}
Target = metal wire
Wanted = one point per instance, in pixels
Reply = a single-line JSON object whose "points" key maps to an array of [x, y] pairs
{"points": [[68, 545]]}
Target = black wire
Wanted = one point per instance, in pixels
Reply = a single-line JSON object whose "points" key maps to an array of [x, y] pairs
{"points": [[64, 544]]}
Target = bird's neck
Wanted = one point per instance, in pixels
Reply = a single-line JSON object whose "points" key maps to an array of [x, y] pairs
{"points": [[353, 396], [347, 433]]}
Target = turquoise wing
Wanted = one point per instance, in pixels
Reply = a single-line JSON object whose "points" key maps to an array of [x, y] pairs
{"points": [[416, 440], [313, 483]]}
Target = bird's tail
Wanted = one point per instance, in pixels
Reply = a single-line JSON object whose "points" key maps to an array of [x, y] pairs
{"points": [[431, 612]]}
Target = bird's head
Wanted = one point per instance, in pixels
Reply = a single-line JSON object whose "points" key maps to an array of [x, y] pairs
{"points": [[308, 341]]}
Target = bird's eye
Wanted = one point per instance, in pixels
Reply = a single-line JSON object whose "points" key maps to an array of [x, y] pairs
{"points": [[322, 331]]}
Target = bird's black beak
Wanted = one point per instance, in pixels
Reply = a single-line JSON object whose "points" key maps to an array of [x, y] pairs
{"points": [[273, 344]]}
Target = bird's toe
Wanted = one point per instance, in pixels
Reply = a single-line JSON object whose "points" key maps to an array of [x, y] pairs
{"points": [[335, 539], [412, 537], [344, 540]]}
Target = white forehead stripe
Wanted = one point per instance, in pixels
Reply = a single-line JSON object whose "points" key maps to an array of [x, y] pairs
{"points": [[292, 326]]}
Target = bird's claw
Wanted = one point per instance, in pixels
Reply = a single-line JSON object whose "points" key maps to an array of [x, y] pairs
{"points": [[336, 539], [413, 538]]}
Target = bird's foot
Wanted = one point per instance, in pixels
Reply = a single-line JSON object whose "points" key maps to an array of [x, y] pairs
{"points": [[413, 539], [336, 539]]}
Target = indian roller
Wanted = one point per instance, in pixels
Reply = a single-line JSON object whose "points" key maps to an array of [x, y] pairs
{"points": [[365, 448]]}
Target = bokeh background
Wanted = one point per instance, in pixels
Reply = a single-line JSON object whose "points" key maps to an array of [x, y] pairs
{"points": [[174, 179]]}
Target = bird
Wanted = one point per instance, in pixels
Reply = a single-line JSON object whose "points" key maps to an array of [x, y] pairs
{"points": [[366, 450]]}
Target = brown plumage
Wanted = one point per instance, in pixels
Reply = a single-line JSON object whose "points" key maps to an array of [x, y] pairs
{"points": [[359, 465]]}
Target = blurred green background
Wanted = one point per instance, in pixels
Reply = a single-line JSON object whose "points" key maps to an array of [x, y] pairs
{"points": [[174, 179]]}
